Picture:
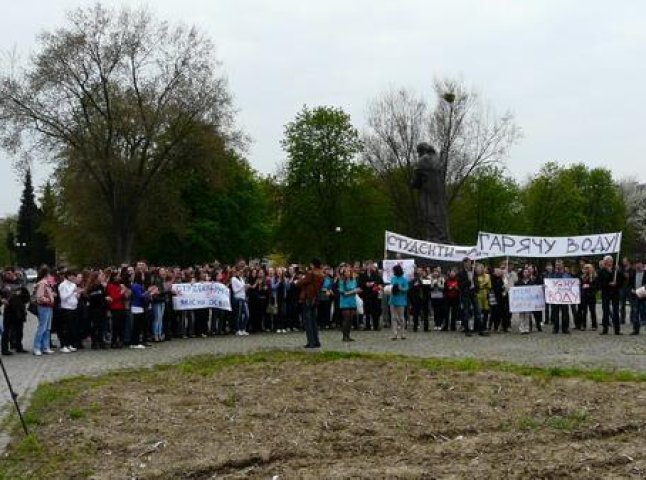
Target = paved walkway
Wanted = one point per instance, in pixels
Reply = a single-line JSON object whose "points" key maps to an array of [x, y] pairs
{"points": [[580, 349]]}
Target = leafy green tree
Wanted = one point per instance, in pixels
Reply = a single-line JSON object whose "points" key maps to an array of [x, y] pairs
{"points": [[329, 206], [224, 222], [488, 201], [112, 96], [31, 243], [574, 200], [7, 241]]}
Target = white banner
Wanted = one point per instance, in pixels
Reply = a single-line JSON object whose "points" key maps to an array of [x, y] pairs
{"points": [[497, 245], [192, 296], [562, 291], [433, 251], [408, 265], [526, 299]]}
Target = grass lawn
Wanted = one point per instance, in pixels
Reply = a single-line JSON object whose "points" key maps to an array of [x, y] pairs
{"points": [[334, 415]]}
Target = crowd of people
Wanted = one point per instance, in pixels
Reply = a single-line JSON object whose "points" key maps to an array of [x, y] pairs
{"points": [[132, 306]]}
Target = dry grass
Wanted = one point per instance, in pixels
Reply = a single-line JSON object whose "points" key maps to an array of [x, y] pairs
{"points": [[335, 416]]}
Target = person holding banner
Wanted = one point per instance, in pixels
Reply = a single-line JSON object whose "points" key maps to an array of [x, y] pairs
{"points": [[560, 314], [609, 295], [588, 298], [468, 300], [525, 325]]}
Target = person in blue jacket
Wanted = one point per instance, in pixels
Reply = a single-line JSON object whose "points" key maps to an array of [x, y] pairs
{"points": [[398, 301], [348, 291]]}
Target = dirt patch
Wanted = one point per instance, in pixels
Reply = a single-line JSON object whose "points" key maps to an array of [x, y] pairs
{"points": [[352, 418]]}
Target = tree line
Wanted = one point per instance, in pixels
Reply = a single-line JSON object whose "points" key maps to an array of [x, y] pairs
{"points": [[135, 116]]}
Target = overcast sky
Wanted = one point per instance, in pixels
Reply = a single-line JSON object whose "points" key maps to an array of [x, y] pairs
{"points": [[573, 72]]}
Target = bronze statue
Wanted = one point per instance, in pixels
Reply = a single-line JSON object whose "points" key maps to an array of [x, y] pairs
{"points": [[428, 178]]}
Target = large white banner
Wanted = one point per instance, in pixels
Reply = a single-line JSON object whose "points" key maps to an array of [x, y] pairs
{"points": [[526, 299], [498, 245], [408, 265], [433, 251], [192, 296], [562, 291]]}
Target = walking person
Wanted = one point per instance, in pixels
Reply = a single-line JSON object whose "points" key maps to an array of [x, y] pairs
{"points": [[398, 302]]}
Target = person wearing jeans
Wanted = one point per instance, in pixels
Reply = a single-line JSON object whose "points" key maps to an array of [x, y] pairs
{"points": [[45, 298], [239, 288], [310, 287]]}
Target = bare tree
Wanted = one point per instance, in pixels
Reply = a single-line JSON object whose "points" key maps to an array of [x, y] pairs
{"points": [[397, 121], [468, 134], [113, 95]]}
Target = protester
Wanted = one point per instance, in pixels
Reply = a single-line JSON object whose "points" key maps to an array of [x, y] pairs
{"points": [[239, 289], [69, 293], [45, 299], [348, 292], [452, 296], [371, 287], [310, 286], [398, 302], [608, 283], [98, 309], [483, 289], [117, 297], [560, 314], [589, 290], [636, 281], [525, 318], [469, 301]]}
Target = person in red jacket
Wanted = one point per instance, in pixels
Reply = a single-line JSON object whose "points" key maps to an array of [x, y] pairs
{"points": [[117, 294], [452, 296]]}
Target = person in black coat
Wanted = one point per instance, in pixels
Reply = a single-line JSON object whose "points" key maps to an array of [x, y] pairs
{"points": [[609, 285], [468, 300]]}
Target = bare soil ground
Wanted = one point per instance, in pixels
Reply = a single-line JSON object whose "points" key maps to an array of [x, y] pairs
{"points": [[303, 416]]}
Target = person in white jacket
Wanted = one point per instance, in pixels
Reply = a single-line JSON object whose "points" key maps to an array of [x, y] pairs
{"points": [[69, 293], [239, 288]]}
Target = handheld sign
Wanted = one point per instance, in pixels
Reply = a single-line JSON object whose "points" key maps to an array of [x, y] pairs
{"points": [[526, 299], [193, 296], [562, 291]]}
